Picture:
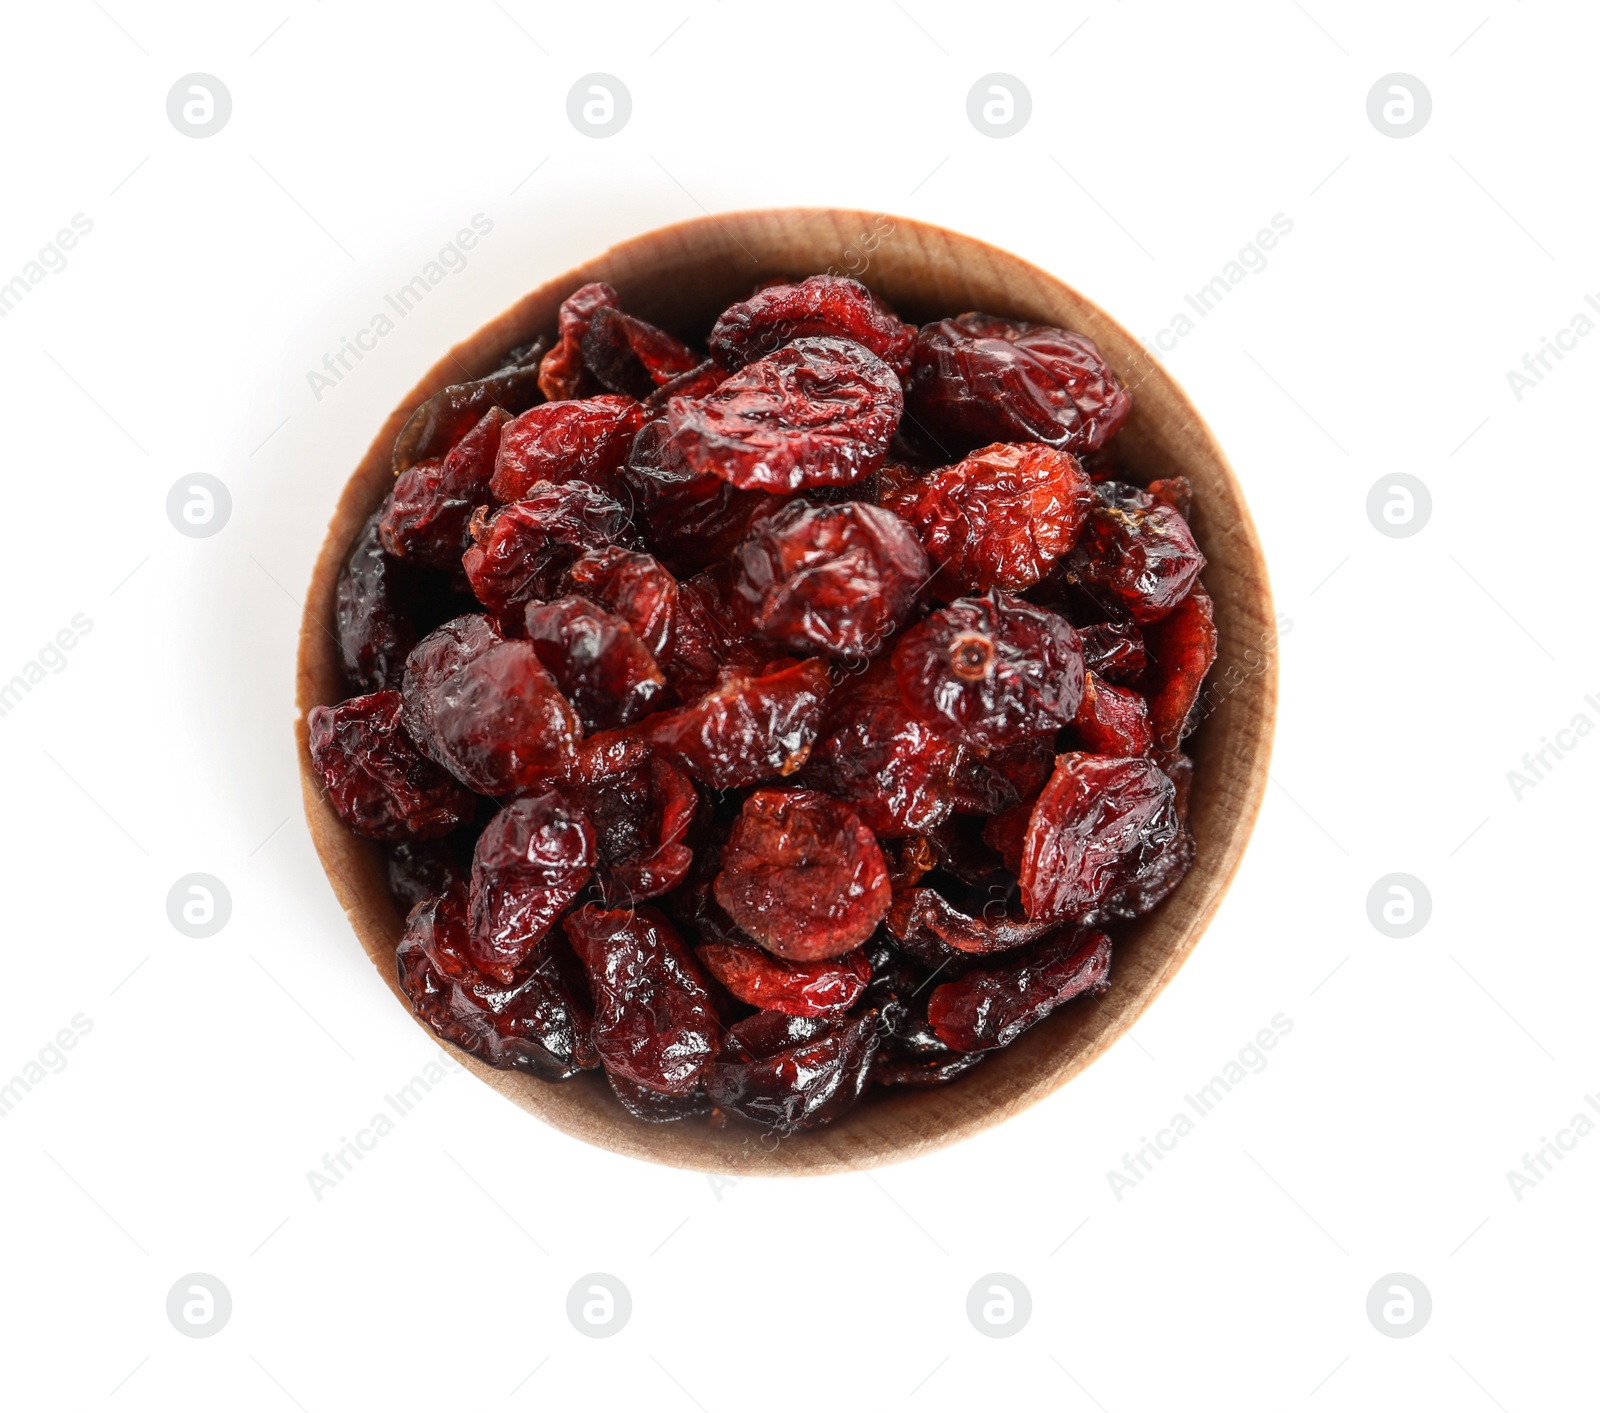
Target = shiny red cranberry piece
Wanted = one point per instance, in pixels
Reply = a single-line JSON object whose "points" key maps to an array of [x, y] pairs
{"points": [[802, 875], [641, 815], [654, 1022], [690, 518], [978, 379], [836, 579], [790, 1073], [989, 672], [1182, 646], [984, 1010], [818, 412], [428, 511], [562, 373], [597, 660], [440, 422], [373, 611], [709, 641], [759, 979], [1112, 721], [376, 779], [820, 305], [634, 586], [584, 440], [627, 355], [1114, 652], [926, 923], [1137, 556], [1001, 516]]}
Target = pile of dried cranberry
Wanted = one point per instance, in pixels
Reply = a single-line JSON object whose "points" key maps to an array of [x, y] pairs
{"points": [[763, 726]]}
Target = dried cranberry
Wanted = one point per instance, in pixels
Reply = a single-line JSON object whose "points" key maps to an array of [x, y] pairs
{"points": [[440, 422], [597, 660], [984, 1010], [521, 551], [837, 579], [421, 868], [691, 518], [1174, 491], [641, 815], [923, 919], [654, 1023], [708, 638], [1100, 825], [636, 587], [485, 708], [978, 379], [818, 412], [586, 440], [788, 1073], [376, 779], [757, 978], [562, 373], [696, 382], [802, 875], [627, 355], [748, 729], [531, 861], [653, 1107], [991, 671], [1112, 721], [1137, 556], [426, 515], [372, 608], [537, 1023], [1114, 652], [821, 305], [1183, 645], [1002, 516]]}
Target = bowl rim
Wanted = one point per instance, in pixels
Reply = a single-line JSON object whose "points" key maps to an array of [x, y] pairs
{"points": [[354, 869]]}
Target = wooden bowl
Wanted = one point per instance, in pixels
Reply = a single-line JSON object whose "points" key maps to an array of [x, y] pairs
{"points": [[681, 278]]}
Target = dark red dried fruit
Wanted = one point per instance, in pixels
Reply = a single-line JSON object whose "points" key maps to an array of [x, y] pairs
{"points": [[922, 919], [1002, 516], [1183, 645], [1100, 825], [991, 671], [440, 422], [708, 640], [789, 1073], [426, 516], [636, 587], [641, 815], [984, 1010], [748, 729], [372, 608], [531, 861], [757, 978], [836, 579], [537, 1023], [1137, 556], [895, 769], [1174, 491], [1112, 721], [627, 355], [654, 1023], [802, 875], [978, 379], [818, 412], [691, 518], [562, 373], [1114, 651], [821, 305], [421, 868], [696, 382], [376, 779], [1179, 769], [653, 1107], [597, 660], [522, 551], [587, 440], [486, 709]]}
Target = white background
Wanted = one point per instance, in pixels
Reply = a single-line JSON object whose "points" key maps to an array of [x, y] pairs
{"points": [[1416, 673]]}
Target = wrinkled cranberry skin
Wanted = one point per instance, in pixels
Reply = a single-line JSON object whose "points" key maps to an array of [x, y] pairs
{"points": [[531, 861], [1137, 556], [432, 502], [486, 709], [537, 1024], [990, 672], [748, 729], [586, 440], [654, 1022], [627, 355], [372, 609], [691, 518], [1101, 824], [636, 587], [818, 412], [1001, 516], [597, 660], [376, 779], [790, 1073], [696, 382], [641, 815], [759, 979], [1183, 645], [522, 551], [562, 373], [1114, 652], [926, 922], [708, 640], [823, 305], [984, 1010], [892, 767], [1112, 721], [978, 379], [802, 875], [440, 422], [836, 579]]}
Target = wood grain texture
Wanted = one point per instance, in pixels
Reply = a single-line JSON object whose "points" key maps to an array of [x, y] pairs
{"points": [[681, 277]]}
